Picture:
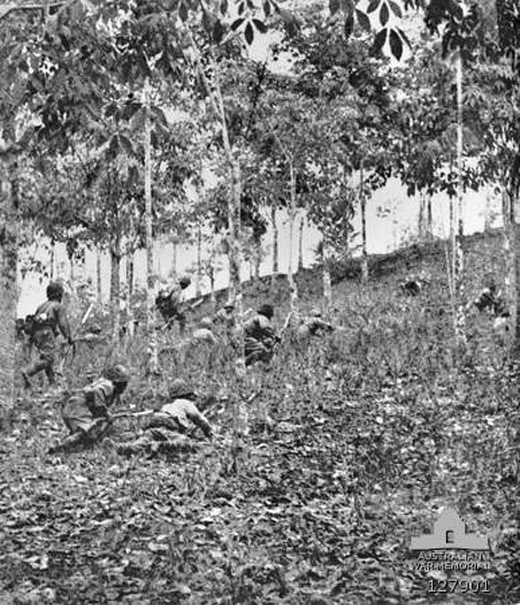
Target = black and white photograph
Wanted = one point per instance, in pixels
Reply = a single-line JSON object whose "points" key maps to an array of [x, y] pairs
{"points": [[260, 285]]}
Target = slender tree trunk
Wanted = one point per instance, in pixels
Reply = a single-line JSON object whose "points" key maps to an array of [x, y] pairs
{"points": [[130, 293], [364, 254], [115, 288], [8, 289], [52, 270], [293, 287], [327, 281], [429, 216], [510, 258], [198, 276], [98, 277], [422, 212], [174, 255], [274, 227], [460, 320], [257, 259], [300, 243], [153, 356]]}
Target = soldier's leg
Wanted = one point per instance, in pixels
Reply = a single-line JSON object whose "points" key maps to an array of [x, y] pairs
{"points": [[181, 318], [75, 441]]}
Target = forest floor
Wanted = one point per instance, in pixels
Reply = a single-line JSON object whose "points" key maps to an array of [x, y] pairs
{"points": [[357, 442]]}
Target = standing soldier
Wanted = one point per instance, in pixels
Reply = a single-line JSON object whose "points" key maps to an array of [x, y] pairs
{"points": [[85, 413], [171, 304], [47, 323], [171, 428], [259, 336]]}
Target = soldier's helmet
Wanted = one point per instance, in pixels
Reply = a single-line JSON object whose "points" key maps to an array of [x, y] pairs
{"points": [[118, 374], [55, 290], [206, 322], [184, 281], [266, 310], [180, 388], [315, 313]]}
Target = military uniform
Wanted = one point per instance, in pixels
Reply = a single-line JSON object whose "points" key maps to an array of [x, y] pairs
{"points": [[259, 336], [171, 304], [49, 320], [491, 300], [86, 412], [170, 429], [314, 326]]}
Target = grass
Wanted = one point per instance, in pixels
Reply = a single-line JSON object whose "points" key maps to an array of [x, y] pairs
{"points": [[374, 430]]}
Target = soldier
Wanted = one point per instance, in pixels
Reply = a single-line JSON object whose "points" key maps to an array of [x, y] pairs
{"points": [[204, 333], [314, 326], [413, 286], [260, 336], [226, 315], [49, 320], [489, 300], [171, 428], [86, 414], [171, 304]]}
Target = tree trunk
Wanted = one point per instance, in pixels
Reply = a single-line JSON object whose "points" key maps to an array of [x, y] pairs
{"points": [[293, 288], [327, 281], [460, 320], [174, 256], [8, 290], [511, 261], [98, 277], [364, 254], [115, 266], [198, 276], [257, 259], [422, 212], [151, 281], [300, 243], [51, 262], [130, 293], [274, 226], [429, 216]]}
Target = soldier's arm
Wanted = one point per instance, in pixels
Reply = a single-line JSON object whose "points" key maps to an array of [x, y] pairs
{"points": [[200, 420], [95, 403], [63, 323]]}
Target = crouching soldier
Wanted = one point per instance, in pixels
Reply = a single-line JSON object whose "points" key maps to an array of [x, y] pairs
{"points": [[491, 301], [173, 427], [413, 286], [171, 304], [86, 414], [314, 326], [204, 333], [260, 337], [49, 320]]}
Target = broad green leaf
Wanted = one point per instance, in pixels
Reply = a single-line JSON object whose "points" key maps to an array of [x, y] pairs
{"points": [[396, 44], [260, 26], [348, 26], [237, 23], [373, 5], [384, 14], [248, 33], [396, 9], [363, 20], [379, 41]]}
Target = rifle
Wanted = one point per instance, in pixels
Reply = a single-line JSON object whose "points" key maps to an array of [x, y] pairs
{"points": [[130, 414], [190, 307]]}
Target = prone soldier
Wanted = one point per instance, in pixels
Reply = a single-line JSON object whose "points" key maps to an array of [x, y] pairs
{"points": [[172, 428], [314, 326]]}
